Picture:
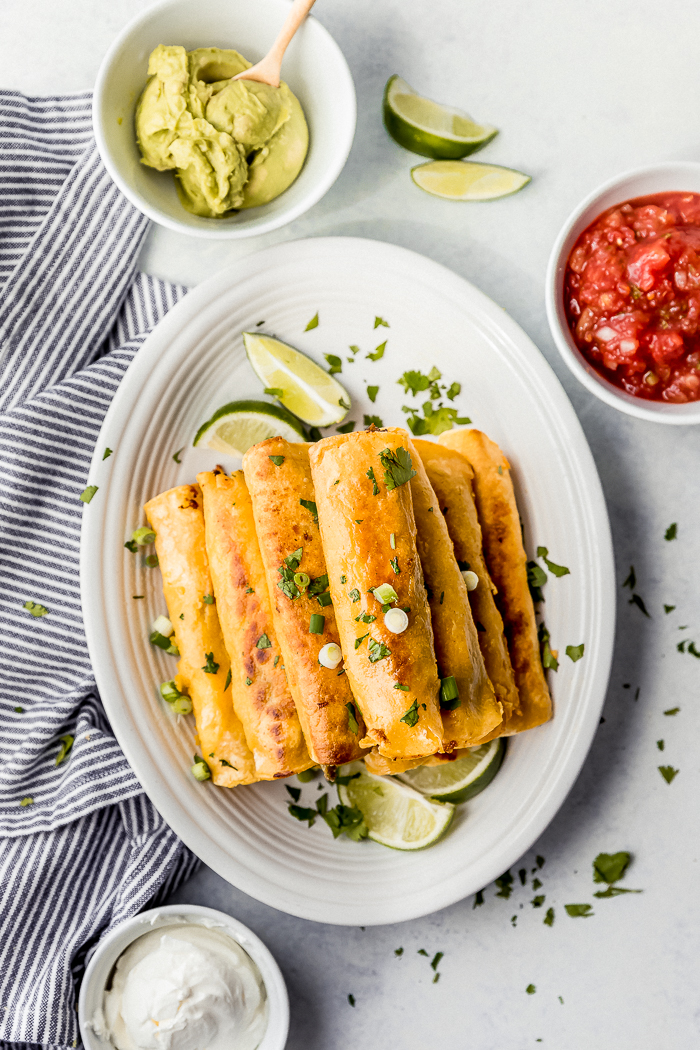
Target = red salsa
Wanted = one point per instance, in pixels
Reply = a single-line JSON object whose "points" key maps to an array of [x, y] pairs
{"points": [[632, 296]]}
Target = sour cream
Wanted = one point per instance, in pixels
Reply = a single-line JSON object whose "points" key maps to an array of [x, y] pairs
{"points": [[184, 987]]}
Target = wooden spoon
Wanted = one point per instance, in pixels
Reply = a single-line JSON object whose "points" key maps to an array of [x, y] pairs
{"points": [[268, 69]]}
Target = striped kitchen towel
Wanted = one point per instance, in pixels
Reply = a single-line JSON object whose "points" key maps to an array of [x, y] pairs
{"points": [[81, 847]]}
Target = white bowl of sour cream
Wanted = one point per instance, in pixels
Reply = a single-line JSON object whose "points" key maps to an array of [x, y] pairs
{"points": [[183, 977], [314, 68]]}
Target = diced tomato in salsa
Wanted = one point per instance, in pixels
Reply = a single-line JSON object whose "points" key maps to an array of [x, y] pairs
{"points": [[632, 296]]}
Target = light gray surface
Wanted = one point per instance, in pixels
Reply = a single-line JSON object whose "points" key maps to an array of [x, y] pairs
{"points": [[579, 91]]}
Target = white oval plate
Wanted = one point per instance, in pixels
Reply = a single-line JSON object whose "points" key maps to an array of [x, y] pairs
{"points": [[192, 363]]}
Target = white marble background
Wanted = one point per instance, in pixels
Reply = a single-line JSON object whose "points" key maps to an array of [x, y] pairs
{"points": [[580, 92]]}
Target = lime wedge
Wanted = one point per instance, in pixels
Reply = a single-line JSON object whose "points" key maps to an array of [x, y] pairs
{"points": [[307, 390], [235, 427], [425, 127], [459, 779], [467, 180], [396, 815]]}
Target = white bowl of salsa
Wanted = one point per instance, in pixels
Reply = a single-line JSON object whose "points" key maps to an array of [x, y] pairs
{"points": [[623, 292]]}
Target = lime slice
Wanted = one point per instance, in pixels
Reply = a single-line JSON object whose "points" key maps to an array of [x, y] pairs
{"points": [[235, 427], [307, 390], [425, 127], [467, 180], [396, 815], [461, 778]]}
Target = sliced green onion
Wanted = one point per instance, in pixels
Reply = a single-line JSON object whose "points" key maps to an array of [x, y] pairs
{"points": [[163, 643], [302, 580], [182, 706], [162, 625], [449, 693], [324, 599], [392, 541], [385, 593], [170, 692], [143, 536], [317, 623], [200, 770]]}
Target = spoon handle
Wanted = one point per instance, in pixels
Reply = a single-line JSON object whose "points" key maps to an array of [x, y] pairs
{"points": [[298, 12]]}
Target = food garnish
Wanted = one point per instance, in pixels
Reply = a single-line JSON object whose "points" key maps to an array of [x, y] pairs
{"points": [[35, 609], [313, 323], [87, 493]]}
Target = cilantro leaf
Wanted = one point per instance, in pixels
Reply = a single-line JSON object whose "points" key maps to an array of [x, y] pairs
{"points": [[343, 820], [579, 911], [346, 428], [505, 885], [294, 792], [375, 486], [380, 321], [454, 390], [354, 595], [313, 323], [631, 580], [636, 600], [87, 493], [614, 891], [531, 989], [35, 609], [398, 467], [435, 961], [668, 773], [373, 421], [208, 599], [378, 352], [372, 392], [359, 641], [414, 381], [353, 724], [435, 420], [556, 570], [211, 666], [669, 608], [478, 899], [302, 813], [228, 680], [549, 917], [176, 455], [538, 901], [334, 362], [263, 642], [378, 651], [671, 532], [549, 660], [609, 867], [277, 460], [575, 652], [536, 579], [311, 507], [287, 571], [672, 711], [411, 716], [107, 453]]}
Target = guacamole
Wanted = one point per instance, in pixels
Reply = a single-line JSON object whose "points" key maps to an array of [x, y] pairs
{"points": [[231, 144]]}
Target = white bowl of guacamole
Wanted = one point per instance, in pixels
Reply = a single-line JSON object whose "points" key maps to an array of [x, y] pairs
{"points": [[210, 157]]}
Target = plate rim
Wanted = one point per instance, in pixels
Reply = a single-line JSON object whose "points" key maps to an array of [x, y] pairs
{"points": [[183, 821]]}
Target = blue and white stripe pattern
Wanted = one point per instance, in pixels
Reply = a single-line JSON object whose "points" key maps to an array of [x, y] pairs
{"points": [[81, 847]]}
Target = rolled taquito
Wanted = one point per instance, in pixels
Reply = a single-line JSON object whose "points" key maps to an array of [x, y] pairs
{"points": [[282, 493], [365, 512], [451, 477], [176, 518], [259, 689], [474, 711], [507, 564]]}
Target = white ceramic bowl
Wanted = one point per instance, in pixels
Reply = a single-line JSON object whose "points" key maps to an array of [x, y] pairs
{"points": [[111, 947], [657, 178], [314, 68]]}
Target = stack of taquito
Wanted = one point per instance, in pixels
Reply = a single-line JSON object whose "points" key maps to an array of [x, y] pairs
{"points": [[307, 552]]}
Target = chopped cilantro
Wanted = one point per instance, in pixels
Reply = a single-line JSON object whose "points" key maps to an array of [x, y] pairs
{"points": [[536, 579], [372, 392], [668, 773], [365, 618], [380, 321], [131, 546], [530, 989], [359, 641], [556, 570], [672, 711], [435, 420], [277, 460], [287, 571], [549, 917], [395, 565], [249, 590], [422, 951], [313, 323], [379, 651], [334, 363], [378, 352], [660, 744], [522, 875], [478, 899], [536, 884], [454, 390], [631, 580], [539, 861], [354, 349], [263, 642], [669, 608], [273, 391], [87, 493], [343, 820], [64, 750], [107, 453], [176, 455], [671, 532], [249, 681], [435, 961], [372, 421], [302, 813], [579, 911], [346, 429], [351, 999], [505, 885], [28, 801], [211, 666], [411, 716], [414, 381], [398, 467], [549, 660], [294, 792], [574, 652], [311, 507], [375, 486], [354, 595], [276, 661], [353, 724], [208, 599], [35, 609], [636, 600], [398, 952], [228, 680], [225, 763], [538, 901]]}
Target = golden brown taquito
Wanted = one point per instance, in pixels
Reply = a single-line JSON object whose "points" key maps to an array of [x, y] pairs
{"points": [[259, 689], [477, 711], [365, 511], [290, 544], [507, 564], [176, 518], [451, 477]]}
